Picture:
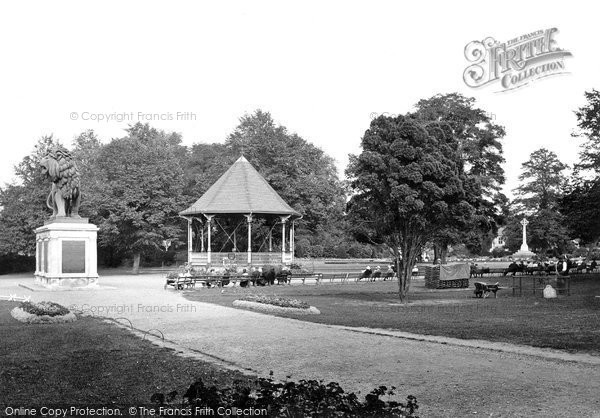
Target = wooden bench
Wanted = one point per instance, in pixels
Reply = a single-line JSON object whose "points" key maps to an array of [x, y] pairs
{"points": [[480, 271], [188, 282], [317, 277], [482, 290]]}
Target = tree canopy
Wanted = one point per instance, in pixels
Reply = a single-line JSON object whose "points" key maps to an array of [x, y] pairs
{"points": [[588, 122], [480, 148], [542, 181], [537, 198], [24, 203], [141, 187], [409, 182], [580, 203]]}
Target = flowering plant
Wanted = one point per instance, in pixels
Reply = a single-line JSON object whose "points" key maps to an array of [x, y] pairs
{"points": [[44, 308]]}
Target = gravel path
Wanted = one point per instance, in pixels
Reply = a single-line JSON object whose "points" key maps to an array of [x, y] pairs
{"points": [[447, 379]]}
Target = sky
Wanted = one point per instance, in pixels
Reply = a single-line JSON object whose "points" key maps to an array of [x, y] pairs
{"points": [[322, 69]]}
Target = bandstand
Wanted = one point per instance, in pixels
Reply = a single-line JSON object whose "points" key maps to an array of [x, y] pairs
{"points": [[241, 202]]}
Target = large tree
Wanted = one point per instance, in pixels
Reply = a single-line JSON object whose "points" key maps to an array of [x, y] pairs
{"points": [[580, 203], [24, 203], [588, 122], [142, 183], [86, 148], [537, 198], [542, 181], [480, 147], [582, 212], [409, 184]]}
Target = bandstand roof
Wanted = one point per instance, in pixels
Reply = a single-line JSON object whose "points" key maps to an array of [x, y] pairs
{"points": [[240, 190]]}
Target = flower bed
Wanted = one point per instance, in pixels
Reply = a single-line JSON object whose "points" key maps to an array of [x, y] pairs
{"points": [[274, 304], [42, 313], [277, 301]]}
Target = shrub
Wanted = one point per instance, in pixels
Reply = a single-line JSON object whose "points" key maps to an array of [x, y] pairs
{"points": [[44, 308], [303, 248], [357, 250], [305, 398], [14, 263], [341, 251], [498, 252], [317, 251]]}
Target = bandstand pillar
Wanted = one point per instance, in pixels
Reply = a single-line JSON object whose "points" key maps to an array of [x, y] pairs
{"points": [[283, 221], [189, 233], [249, 219], [209, 224], [292, 238], [202, 238]]}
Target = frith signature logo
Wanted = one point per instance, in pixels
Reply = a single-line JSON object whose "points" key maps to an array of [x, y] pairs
{"points": [[514, 63]]}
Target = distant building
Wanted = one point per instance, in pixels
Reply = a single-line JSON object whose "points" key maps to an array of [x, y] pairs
{"points": [[499, 241]]}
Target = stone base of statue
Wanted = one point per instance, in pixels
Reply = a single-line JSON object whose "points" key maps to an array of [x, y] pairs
{"points": [[66, 254], [523, 252]]}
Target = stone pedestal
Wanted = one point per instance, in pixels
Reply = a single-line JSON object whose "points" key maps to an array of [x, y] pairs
{"points": [[66, 253], [526, 255]]}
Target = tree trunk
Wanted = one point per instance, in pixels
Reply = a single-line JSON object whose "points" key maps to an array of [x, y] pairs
{"points": [[444, 254], [136, 262], [409, 255], [440, 252]]}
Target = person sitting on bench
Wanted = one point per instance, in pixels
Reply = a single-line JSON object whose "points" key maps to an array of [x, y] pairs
{"points": [[592, 266], [389, 274], [512, 268], [366, 274]]}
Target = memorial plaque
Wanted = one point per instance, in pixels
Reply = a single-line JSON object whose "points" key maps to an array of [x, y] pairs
{"points": [[73, 256]]}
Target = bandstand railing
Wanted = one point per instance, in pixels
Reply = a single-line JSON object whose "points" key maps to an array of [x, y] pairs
{"points": [[239, 258]]}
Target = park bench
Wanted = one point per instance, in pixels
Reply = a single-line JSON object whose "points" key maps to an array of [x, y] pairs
{"points": [[317, 277], [536, 269], [339, 277], [482, 290], [188, 282], [480, 271]]}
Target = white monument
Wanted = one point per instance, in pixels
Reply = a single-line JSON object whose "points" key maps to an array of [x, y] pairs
{"points": [[524, 250], [66, 255]]}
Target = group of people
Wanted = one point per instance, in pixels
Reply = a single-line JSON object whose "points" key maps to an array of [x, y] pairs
{"points": [[257, 276], [372, 275], [561, 266]]}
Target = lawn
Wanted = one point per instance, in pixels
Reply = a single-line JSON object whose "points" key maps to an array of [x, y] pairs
{"points": [[569, 323], [90, 362]]}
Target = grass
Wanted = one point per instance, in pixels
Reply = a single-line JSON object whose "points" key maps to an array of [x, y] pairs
{"points": [[89, 362], [567, 323]]}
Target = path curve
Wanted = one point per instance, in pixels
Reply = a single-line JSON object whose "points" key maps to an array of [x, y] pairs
{"points": [[448, 379]]}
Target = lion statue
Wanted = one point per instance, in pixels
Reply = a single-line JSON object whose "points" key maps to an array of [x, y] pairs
{"points": [[65, 197]]}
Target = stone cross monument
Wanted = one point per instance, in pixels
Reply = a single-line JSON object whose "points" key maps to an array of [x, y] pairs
{"points": [[66, 243], [524, 247], [524, 251]]}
